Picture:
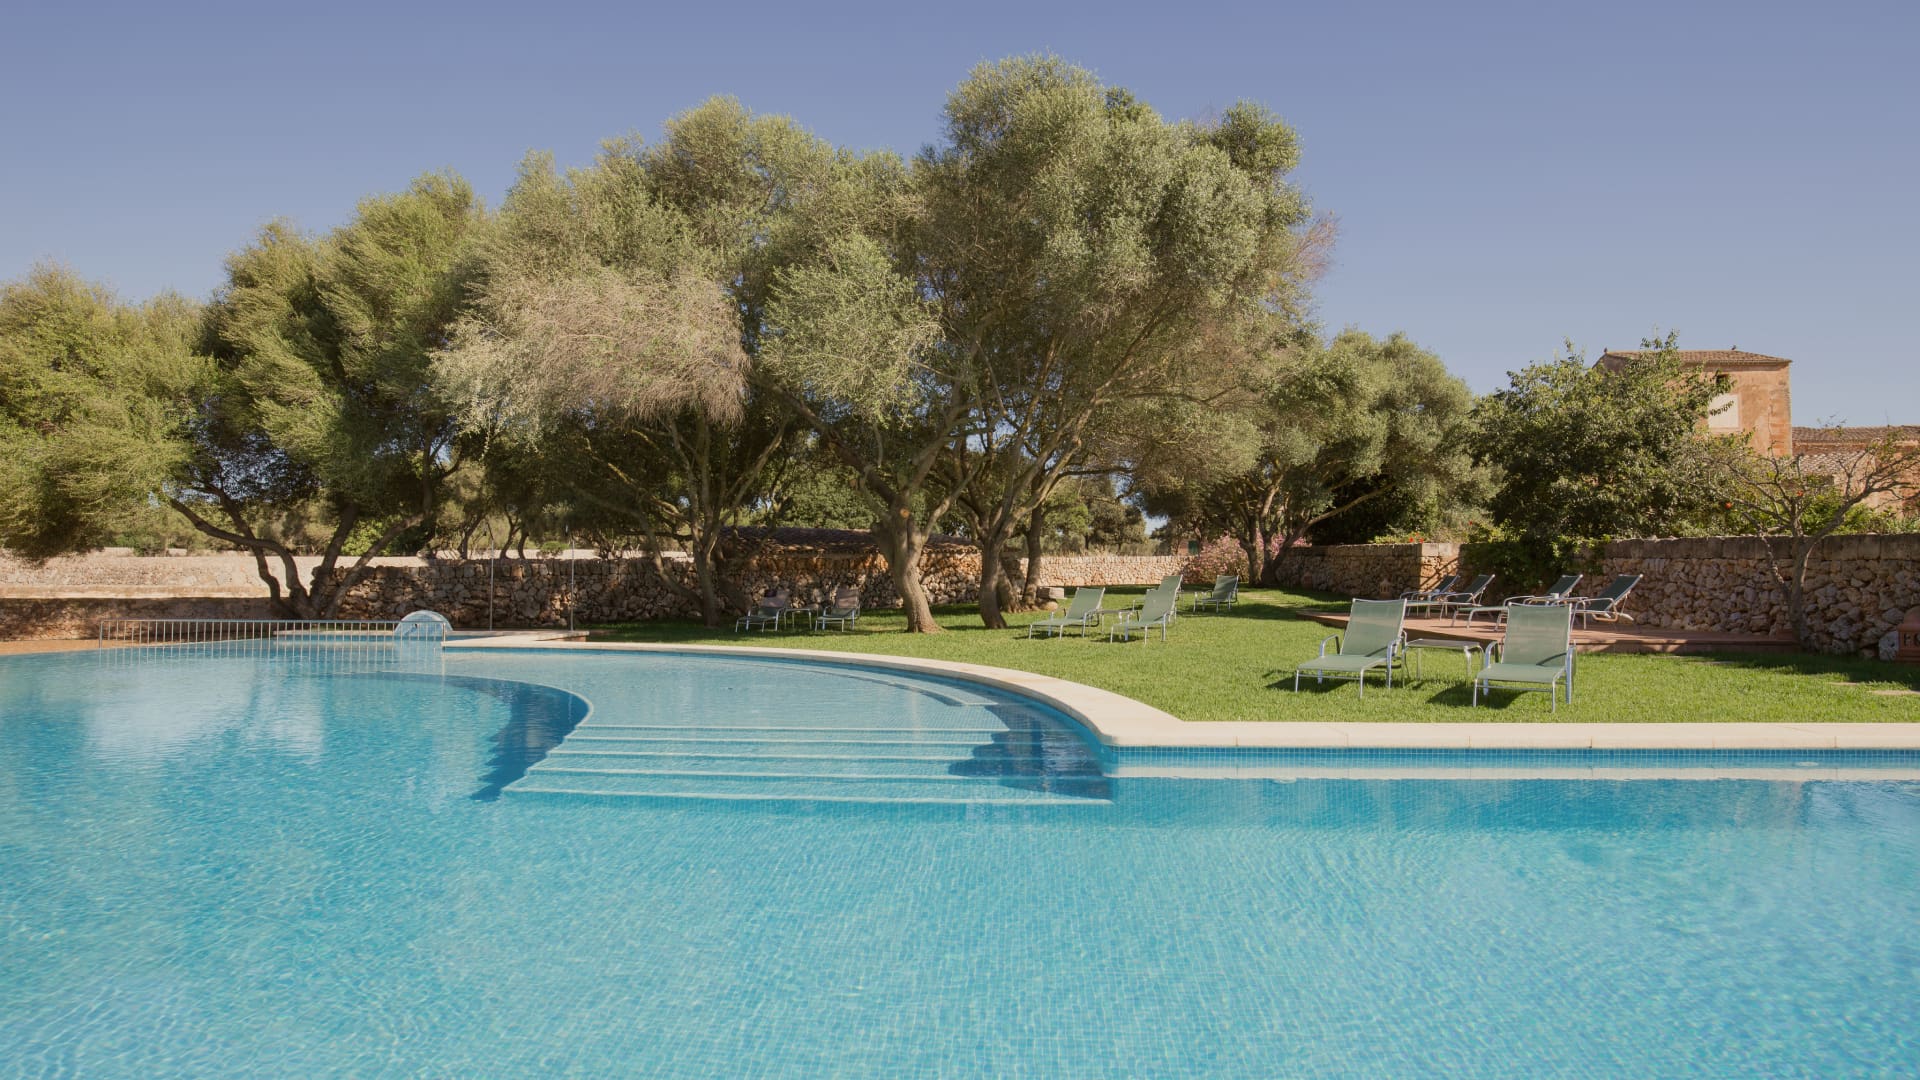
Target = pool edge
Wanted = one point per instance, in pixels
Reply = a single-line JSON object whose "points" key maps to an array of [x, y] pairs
{"points": [[1121, 722]]}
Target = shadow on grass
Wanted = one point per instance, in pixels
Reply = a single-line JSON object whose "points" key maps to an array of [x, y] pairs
{"points": [[1446, 693], [1852, 668]]}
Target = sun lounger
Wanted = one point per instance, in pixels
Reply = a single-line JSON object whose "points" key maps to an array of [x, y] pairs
{"points": [[1606, 606], [766, 615], [1225, 594], [843, 612], [1375, 631], [1082, 611], [1155, 610], [1536, 653]]}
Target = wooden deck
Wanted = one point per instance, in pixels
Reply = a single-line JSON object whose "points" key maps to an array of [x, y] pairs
{"points": [[1601, 638]]}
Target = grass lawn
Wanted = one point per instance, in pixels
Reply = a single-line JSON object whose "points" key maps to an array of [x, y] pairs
{"points": [[1239, 666]]}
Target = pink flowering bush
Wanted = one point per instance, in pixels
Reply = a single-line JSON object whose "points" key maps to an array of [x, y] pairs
{"points": [[1216, 557]]}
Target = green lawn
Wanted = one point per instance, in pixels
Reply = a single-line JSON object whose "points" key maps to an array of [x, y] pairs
{"points": [[1239, 666]]}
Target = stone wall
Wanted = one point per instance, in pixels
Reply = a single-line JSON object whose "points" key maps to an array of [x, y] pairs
{"points": [[115, 573], [1368, 571], [66, 597], [1858, 587], [1077, 570], [536, 592], [79, 617]]}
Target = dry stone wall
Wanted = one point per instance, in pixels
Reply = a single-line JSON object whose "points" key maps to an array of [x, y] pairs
{"points": [[535, 593], [24, 618], [1076, 570], [1858, 587], [1368, 571], [538, 592], [66, 597]]}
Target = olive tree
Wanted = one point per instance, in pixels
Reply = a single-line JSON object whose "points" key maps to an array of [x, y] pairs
{"points": [[616, 332], [1061, 253], [94, 396], [1088, 254], [304, 385], [1340, 426], [1793, 503], [323, 393]]}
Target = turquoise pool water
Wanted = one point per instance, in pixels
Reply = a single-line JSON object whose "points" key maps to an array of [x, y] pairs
{"points": [[226, 866]]}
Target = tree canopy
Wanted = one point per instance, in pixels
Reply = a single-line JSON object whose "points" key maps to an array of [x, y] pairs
{"points": [[1588, 451], [1062, 253], [304, 383], [1336, 427], [94, 394]]}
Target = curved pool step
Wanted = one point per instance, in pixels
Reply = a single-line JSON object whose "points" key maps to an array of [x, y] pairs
{"points": [[811, 788], [938, 766], [878, 745], [844, 761]]}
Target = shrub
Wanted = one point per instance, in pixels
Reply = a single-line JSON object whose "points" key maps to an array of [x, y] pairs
{"points": [[1221, 556]]}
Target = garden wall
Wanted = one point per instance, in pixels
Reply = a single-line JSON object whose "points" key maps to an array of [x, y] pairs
{"points": [[66, 597], [1371, 571], [534, 593], [1858, 587]]}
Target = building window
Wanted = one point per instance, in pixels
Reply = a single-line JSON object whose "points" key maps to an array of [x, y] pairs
{"points": [[1724, 413]]}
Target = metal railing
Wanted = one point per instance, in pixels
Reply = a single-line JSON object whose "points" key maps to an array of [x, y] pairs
{"points": [[332, 643]]}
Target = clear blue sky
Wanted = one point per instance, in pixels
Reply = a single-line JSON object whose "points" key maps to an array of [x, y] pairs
{"points": [[1505, 176]]}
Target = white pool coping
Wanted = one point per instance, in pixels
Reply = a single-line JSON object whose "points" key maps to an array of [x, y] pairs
{"points": [[1123, 723]]}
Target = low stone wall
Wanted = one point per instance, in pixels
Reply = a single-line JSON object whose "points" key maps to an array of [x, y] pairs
{"points": [[534, 593], [1073, 571], [66, 597], [1368, 571], [111, 575], [79, 617], [1858, 587]]}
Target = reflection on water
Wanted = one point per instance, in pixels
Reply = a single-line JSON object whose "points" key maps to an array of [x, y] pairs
{"points": [[156, 702]]}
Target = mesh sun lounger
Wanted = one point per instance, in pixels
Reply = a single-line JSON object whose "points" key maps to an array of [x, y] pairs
{"points": [[1555, 595], [1225, 594], [844, 611], [1423, 596], [1082, 611], [1375, 630], [1442, 603], [1536, 653], [1605, 606], [1171, 583], [1155, 610], [766, 615]]}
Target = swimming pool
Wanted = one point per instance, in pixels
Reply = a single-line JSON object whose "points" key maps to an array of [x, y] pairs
{"points": [[230, 866]]}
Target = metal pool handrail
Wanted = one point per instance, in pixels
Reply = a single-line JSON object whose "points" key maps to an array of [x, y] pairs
{"points": [[222, 631]]}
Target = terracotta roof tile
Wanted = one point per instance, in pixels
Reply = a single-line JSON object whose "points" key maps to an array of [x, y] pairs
{"points": [[1819, 435], [1723, 359]]}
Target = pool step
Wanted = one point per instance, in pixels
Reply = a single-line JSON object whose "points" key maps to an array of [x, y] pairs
{"points": [[1055, 792], [780, 760], [826, 764], [878, 745]]}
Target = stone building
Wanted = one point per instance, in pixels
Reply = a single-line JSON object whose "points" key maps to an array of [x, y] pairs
{"points": [[1760, 401]]}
